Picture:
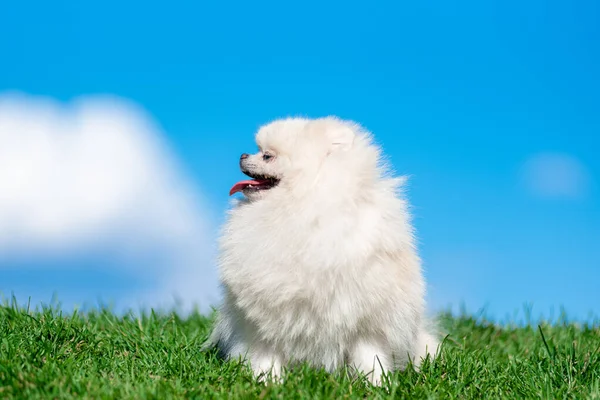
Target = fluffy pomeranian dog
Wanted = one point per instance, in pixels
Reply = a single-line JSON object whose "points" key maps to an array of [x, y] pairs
{"points": [[318, 261]]}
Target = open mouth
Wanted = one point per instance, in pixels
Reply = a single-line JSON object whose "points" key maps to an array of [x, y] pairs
{"points": [[257, 183]]}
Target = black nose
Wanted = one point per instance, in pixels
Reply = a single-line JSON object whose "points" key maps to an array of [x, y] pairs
{"points": [[244, 156]]}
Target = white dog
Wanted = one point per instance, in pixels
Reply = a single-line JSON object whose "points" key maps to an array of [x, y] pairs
{"points": [[318, 262]]}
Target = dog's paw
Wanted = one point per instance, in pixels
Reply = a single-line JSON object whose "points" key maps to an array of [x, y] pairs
{"points": [[369, 359], [266, 368]]}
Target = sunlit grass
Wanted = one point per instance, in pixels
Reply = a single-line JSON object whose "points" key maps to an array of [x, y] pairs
{"points": [[46, 354]]}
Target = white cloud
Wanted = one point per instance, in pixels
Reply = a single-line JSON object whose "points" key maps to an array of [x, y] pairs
{"points": [[556, 175], [96, 175]]}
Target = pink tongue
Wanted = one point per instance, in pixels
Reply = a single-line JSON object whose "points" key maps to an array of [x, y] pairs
{"points": [[238, 187]]}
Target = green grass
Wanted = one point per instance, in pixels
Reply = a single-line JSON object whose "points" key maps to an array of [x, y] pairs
{"points": [[45, 354]]}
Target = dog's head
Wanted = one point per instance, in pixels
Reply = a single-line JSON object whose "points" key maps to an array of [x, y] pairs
{"points": [[295, 154]]}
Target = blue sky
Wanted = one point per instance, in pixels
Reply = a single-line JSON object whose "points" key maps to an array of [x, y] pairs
{"points": [[477, 101]]}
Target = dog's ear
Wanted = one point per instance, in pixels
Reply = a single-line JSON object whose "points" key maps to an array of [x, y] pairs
{"points": [[341, 138]]}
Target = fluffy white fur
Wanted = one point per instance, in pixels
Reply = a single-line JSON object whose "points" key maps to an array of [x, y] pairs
{"points": [[321, 268]]}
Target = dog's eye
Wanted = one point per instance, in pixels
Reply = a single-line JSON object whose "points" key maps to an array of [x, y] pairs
{"points": [[267, 156]]}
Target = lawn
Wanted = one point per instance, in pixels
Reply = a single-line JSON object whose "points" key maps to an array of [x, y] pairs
{"points": [[46, 354]]}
